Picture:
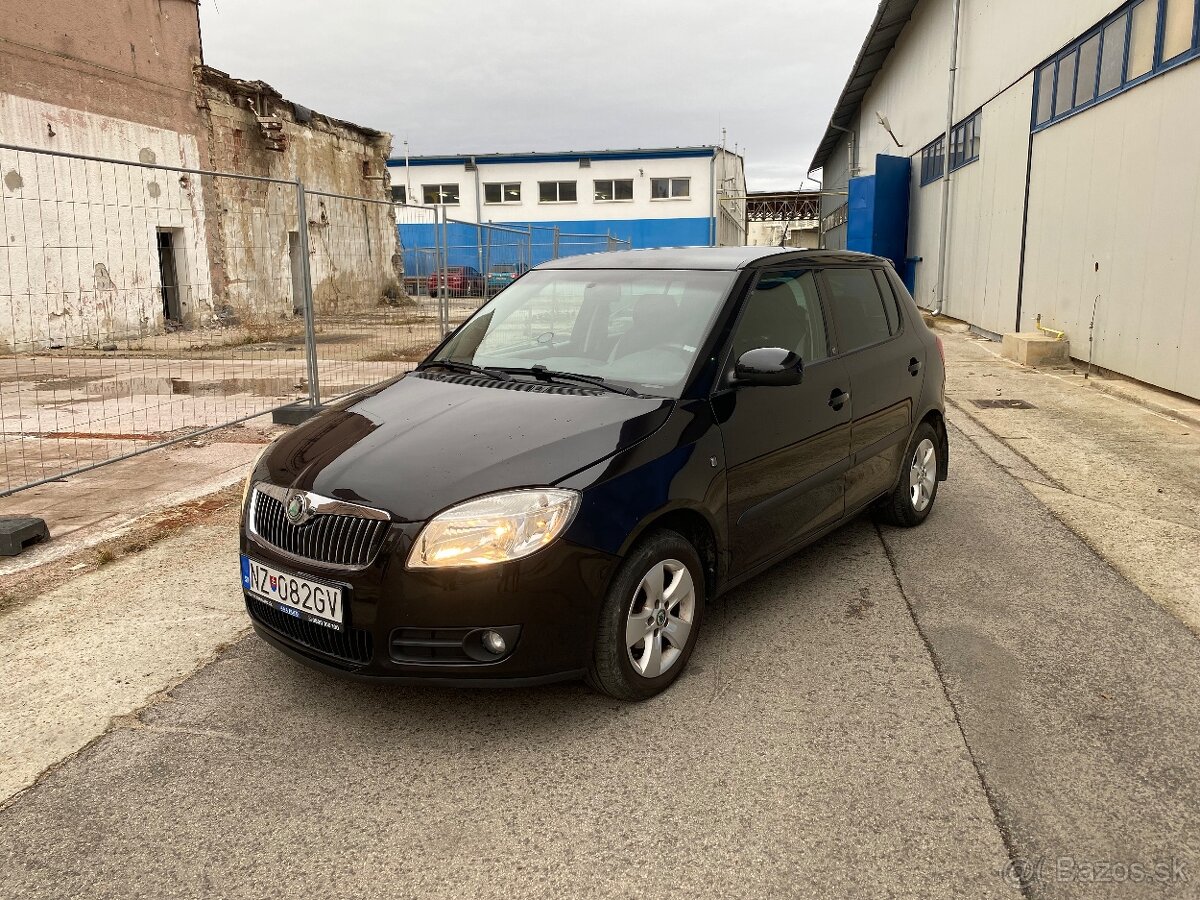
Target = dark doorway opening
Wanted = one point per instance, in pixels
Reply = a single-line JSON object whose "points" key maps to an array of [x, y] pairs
{"points": [[172, 310]]}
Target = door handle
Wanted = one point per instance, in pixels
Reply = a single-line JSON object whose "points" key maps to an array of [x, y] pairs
{"points": [[914, 366], [838, 399]]}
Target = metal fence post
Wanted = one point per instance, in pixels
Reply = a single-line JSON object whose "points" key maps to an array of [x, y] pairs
{"points": [[435, 292], [487, 261], [310, 330], [555, 245], [444, 276]]}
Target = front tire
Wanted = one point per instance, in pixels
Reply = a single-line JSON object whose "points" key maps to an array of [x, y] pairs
{"points": [[912, 500], [650, 619]]}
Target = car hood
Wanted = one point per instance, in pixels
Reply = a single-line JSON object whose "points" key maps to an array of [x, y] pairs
{"points": [[427, 441]]}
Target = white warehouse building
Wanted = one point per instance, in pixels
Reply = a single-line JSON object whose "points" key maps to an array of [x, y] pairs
{"points": [[1073, 189], [671, 197]]}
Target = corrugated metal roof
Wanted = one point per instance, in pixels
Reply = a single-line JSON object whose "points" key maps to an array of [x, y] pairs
{"points": [[890, 19]]}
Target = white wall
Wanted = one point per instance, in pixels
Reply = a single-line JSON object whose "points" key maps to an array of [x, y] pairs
{"points": [[999, 42], [78, 255], [698, 205], [984, 231], [1114, 194], [1118, 187]]}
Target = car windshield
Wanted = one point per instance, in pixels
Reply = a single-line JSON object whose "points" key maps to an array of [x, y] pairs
{"points": [[633, 327]]}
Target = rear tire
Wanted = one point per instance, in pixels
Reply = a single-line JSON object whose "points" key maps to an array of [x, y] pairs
{"points": [[916, 490], [650, 619]]}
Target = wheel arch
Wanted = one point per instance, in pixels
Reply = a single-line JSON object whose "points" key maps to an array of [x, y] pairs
{"points": [[694, 526], [937, 420]]}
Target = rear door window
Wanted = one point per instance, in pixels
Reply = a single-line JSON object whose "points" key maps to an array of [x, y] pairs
{"points": [[857, 308], [891, 306]]}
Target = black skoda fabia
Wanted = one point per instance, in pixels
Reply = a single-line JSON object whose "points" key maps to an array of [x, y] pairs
{"points": [[564, 483]]}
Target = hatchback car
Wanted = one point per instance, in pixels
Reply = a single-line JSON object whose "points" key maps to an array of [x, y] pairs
{"points": [[614, 440], [501, 275], [459, 281]]}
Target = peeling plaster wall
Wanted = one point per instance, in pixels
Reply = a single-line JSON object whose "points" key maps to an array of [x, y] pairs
{"points": [[78, 246], [353, 246], [78, 240]]}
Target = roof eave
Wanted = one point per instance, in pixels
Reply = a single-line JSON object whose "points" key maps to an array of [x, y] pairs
{"points": [[890, 19]]}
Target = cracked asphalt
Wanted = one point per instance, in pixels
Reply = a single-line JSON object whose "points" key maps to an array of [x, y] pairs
{"points": [[981, 707]]}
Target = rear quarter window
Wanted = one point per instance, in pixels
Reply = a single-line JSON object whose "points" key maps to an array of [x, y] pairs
{"points": [[891, 302], [858, 308]]}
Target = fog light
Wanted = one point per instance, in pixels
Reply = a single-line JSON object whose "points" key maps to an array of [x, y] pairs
{"points": [[494, 642]]}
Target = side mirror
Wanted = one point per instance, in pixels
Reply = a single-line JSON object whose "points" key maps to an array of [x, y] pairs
{"points": [[769, 366]]}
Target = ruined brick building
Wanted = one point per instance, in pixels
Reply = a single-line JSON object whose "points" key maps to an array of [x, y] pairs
{"points": [[90, 248]]}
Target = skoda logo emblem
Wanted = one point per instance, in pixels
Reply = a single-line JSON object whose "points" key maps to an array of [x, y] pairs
{"points": [[296, 508]]}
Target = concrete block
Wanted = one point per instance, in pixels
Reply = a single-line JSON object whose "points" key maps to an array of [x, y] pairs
{"points": [[19, 532], [1036, 349]]}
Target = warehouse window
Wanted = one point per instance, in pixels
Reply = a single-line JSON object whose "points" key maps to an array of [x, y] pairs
{"points": [[612, 189], [1178, 18], [670, 188], [502, 192], [1066, 82], [556, 192], [1112, 55], [1089, 58], [964, 141], [1045, 94], [446, 194], [933, 161], [1139, 41], [399, 195]]}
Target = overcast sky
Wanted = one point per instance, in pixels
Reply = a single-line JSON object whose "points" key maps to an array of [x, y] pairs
{"points": [[486, 76]]}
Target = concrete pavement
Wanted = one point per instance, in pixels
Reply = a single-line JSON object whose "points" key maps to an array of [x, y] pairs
{"points": [[808, 751], [1003, 701], [823, 743], [1124, 475]]}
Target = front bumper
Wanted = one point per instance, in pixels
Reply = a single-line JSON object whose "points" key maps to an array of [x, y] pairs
{"points": [[549, 601]]}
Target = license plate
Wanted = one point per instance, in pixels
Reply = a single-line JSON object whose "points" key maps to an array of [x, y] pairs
{"points": [[303, 598]]}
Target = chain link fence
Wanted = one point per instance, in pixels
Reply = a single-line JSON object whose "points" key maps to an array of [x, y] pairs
{"points": [[142, 305]]}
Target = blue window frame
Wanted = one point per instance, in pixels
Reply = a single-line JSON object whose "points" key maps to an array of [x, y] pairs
{"points": [[1142, 39], [964, 140], [933, 161], [964, 148]]}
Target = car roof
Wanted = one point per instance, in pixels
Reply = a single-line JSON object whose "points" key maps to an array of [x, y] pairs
{"points": [[718, 258]]}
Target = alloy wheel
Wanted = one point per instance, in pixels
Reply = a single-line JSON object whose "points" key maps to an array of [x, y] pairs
{"points": [[660, 618], [922, 475]]}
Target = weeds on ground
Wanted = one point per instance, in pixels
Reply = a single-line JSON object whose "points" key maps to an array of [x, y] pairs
{"points": [[395, 295], [104, 556], [410, 354]]}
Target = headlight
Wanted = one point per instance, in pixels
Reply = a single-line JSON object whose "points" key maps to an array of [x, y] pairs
{"points": [[493, 529], [250, 474]]}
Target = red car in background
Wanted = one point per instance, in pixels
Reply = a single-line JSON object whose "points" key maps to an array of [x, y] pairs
{"points": [[460, 281]]}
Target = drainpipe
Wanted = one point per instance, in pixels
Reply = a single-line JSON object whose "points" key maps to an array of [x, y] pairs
{"points": [[712, 200], [852, 155], [478, 207], [478, 217], [943, 229]]}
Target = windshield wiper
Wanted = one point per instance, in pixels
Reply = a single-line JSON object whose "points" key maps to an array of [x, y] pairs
{"points": [[466, 368], [541, 373]]}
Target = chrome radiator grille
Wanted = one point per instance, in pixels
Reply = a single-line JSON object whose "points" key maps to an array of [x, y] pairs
{"points": [[336, 539]]}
